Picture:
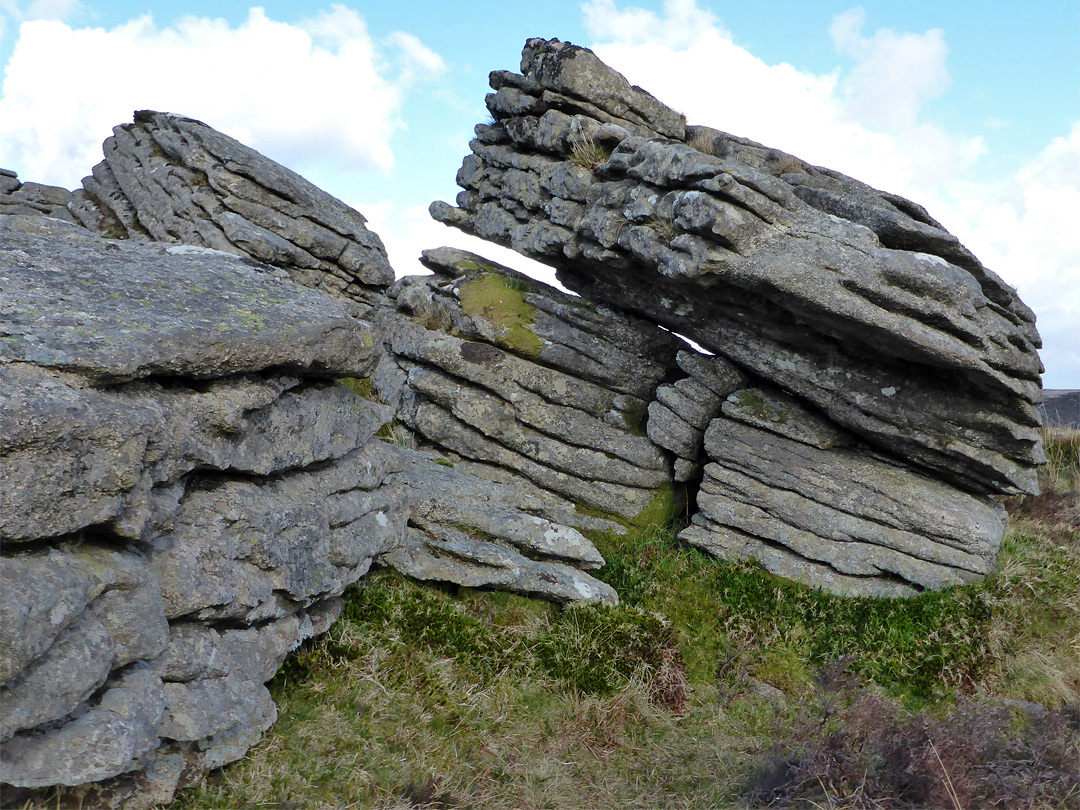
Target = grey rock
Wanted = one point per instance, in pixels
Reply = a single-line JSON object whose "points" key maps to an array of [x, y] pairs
{"points": [[443, 553], [212, 706], [9, 182], [245, 552], [164, 314], [1061, 408], [838, 518], [776, 412], [109, 739], [446, 430], [54, 685], [46, 593], [482, 300], [177, 180], [851, 299], [682, 411], [148, 391], [440, 494]]}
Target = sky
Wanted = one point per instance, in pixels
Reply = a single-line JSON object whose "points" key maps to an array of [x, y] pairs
{"points": [[970, 109]]}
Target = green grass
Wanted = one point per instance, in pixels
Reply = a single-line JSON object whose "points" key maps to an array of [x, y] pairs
{"points": [[425, 696]]}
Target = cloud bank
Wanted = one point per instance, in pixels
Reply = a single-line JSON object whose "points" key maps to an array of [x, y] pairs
{"points": [[319, 93]]}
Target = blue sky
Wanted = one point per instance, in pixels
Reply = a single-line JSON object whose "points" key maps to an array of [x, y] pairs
{"points": [[970, 109]]}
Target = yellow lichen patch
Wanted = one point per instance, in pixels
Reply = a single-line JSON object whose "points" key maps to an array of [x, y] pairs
{"points": [[502, 303]]}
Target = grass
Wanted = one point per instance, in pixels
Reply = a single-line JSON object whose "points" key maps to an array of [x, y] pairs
{"points": [[422, 696], [587, 152]]}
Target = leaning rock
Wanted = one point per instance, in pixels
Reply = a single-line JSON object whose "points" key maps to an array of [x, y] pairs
{"points": [[174, 179], [853, 300], [481, 300]]}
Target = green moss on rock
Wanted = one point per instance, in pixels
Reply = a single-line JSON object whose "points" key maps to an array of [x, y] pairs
{"points": [[361, 387], [501, 301]]}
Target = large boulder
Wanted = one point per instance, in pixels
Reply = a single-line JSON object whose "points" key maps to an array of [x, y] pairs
{"points": [[852, 299], [849, 309], [185, 492]]}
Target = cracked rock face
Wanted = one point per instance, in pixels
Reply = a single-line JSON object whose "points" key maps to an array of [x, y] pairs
{"points": [[184, 494], [174, 179], [854, 300], [505, 371], [852, 333]]}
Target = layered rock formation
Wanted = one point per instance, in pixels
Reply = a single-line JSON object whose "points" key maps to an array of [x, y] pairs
{"points": [[184, 494], [853, 302], [174, 179], [186, 488]]}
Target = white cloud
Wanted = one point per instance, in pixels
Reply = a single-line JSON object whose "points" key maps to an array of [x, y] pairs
{"points": [[1020, 227], [894, 74], [677, 27], [13, 11], [816, 116], [407, 230], [868, 122], [276, 86]]}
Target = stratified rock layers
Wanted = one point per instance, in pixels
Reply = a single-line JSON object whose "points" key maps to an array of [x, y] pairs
{"points": [[852, 306], [504, 370], [185, 492], [174, 179]]}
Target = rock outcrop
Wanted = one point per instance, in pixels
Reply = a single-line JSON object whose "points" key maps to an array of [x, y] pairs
{"points": [[185, 492], [873, 324], [218, 409], [186, 488]]}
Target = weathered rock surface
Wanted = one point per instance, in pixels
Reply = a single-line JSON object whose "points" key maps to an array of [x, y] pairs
{"points": [[503, 370], [854, 300], [184, 494], [476, 532], [854, 332], [33, 199], [682, 411], [173, 179], [810, 503]]}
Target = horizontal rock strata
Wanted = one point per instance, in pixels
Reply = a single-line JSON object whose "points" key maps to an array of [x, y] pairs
{"points": [[184, 494], [809, 502]]}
